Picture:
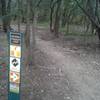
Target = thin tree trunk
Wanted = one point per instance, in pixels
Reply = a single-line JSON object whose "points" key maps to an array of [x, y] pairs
{"points": [[51, 20], [32, 38], [8, 12], [51, 15], [57, 19], [68, 27], [27, 35], [19, 15], [98, 33], [19, 25], [4, 12]]}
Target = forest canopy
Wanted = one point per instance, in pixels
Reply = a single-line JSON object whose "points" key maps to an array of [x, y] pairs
{"points": [[57, 13]]}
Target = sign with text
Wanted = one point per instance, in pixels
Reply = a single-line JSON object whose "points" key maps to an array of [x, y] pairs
{"points": [[15, 39], [15, 47]]}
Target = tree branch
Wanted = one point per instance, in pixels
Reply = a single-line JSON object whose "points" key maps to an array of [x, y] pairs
{"points": [[87, 14], [38, 3]]}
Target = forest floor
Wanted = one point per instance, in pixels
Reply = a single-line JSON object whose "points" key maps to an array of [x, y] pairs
{"points": [[65, 69]]}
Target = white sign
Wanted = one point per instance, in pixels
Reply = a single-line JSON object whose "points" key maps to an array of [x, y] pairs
{"points": [[15, 64], [14, 77], [14, 87], [15, 51]]}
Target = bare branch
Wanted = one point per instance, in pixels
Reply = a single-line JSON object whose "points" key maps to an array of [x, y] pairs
{"points": [[38, 3], [87, 14]]}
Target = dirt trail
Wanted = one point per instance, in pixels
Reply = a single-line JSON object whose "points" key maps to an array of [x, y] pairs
{"points": [[79, 73]]}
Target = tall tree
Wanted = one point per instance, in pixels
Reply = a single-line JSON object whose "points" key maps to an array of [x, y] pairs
{"points": [[32, 13]]}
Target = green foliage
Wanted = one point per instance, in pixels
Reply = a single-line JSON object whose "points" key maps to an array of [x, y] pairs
{"points": [[79, 12]]}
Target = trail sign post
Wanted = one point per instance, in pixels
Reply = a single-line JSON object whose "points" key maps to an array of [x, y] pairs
{"points": [[15, 56]]}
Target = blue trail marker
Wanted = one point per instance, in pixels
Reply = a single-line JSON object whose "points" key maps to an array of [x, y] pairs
{"points": [[15, 56]]}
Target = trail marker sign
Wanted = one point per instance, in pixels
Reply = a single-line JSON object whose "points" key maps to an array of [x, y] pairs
{"points": [[15, 56]]}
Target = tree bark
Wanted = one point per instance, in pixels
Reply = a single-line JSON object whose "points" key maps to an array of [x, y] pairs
{"points": [[51, 20], [27, 35], [19, 6], [57, 19], [98, 32], [4, 12], [68, 27], [51, 15], [8, 12], [32, 39]]}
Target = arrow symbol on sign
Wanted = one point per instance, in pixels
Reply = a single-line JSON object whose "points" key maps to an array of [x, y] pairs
{"points": [[14, 62]]}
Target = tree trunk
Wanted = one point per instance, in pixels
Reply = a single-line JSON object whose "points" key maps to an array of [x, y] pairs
{"points": [[19, 15], [98, 33], [57, 19], [52, 5], [27, 43], [8, 11], [18, 25], [27, 35], [68, 27], [4, 12], [32, 39], [51, 20]]}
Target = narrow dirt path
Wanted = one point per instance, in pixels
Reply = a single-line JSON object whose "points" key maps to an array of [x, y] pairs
{"points": [[77, 77]]}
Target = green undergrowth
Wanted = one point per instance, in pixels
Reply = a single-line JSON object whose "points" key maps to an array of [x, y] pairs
{"points": [[43, 24]]}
